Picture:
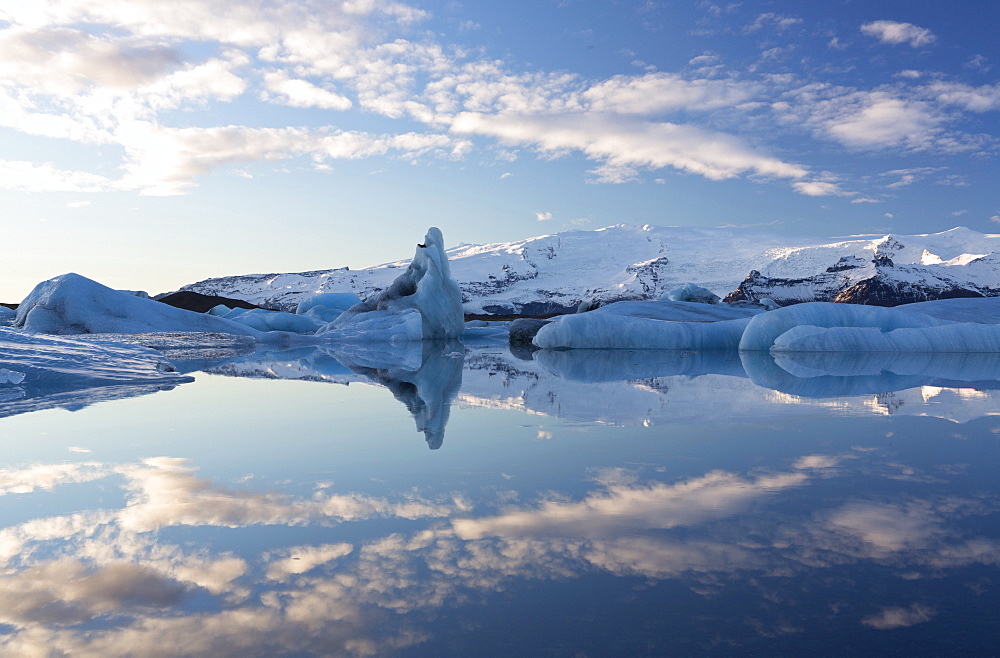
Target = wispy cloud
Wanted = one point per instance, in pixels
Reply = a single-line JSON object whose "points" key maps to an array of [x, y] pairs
{"points": [[894, 33]]}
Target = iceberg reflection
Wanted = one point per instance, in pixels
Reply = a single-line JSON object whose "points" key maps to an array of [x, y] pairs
{"points": [[425, 376]]}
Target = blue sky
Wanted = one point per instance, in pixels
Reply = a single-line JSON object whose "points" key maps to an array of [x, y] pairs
{"points": [[148, 144]]}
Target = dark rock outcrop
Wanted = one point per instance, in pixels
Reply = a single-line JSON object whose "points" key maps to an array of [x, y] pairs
{"points": [[878, 291], [199, 303]]}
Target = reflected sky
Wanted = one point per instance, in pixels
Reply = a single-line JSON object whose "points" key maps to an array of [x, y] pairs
{"points": [[650, 504]]}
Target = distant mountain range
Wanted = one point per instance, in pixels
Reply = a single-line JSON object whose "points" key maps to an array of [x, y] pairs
{"points": [[555, 273]]}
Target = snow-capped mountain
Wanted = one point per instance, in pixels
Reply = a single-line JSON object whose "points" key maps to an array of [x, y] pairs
{"points": [[555, 273], [889, 272]]}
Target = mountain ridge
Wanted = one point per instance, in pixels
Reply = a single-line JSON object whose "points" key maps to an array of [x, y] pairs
{"points": [[556, 272]]}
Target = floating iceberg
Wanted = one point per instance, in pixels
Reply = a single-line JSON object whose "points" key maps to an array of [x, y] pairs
{"points": [[764, 330], [423, 303], [958, 337], [649, 325], [958, 325], [73, 304], [265, 320], [592, 331], [829, 327], [326, 306], [691, 292]]}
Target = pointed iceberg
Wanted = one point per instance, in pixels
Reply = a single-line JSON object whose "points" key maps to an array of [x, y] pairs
{"points": [[423, 303]]}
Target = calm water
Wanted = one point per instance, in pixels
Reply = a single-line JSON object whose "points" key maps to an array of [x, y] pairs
{"points": [[579, 504]]}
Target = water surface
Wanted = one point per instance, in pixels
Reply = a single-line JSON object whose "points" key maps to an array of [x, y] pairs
{"points": [[309, 502]]}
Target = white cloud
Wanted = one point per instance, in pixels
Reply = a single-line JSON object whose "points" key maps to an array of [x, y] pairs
{"points": [[165, 492], [64, 73], [82, 593], [974, 99], [166, 161], [895, 617], [770, 19], [48, 476], [657, 505], [816, 188], [301, 559], [302, 93], [895, 33], [65, 61], [865, 200], [633, 143], [662, 92], [29, 177], [978, 63], [878, 119], [543, 216]]}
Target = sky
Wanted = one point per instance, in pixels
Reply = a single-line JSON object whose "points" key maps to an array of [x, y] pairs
{"points": [[150, 144]]}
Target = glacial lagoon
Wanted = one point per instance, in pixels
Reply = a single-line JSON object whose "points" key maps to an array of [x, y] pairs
{"points": [[453, 501]]}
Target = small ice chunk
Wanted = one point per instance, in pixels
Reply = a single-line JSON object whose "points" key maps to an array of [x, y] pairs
{"points": [[10, 376], [691, 292]]}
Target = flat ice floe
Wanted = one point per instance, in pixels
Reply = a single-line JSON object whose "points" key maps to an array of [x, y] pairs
{"points": [[664, 325], [39, 372], [959, 325]]}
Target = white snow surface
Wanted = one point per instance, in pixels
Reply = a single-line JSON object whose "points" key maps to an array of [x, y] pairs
{"points": [[628, 262]]}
